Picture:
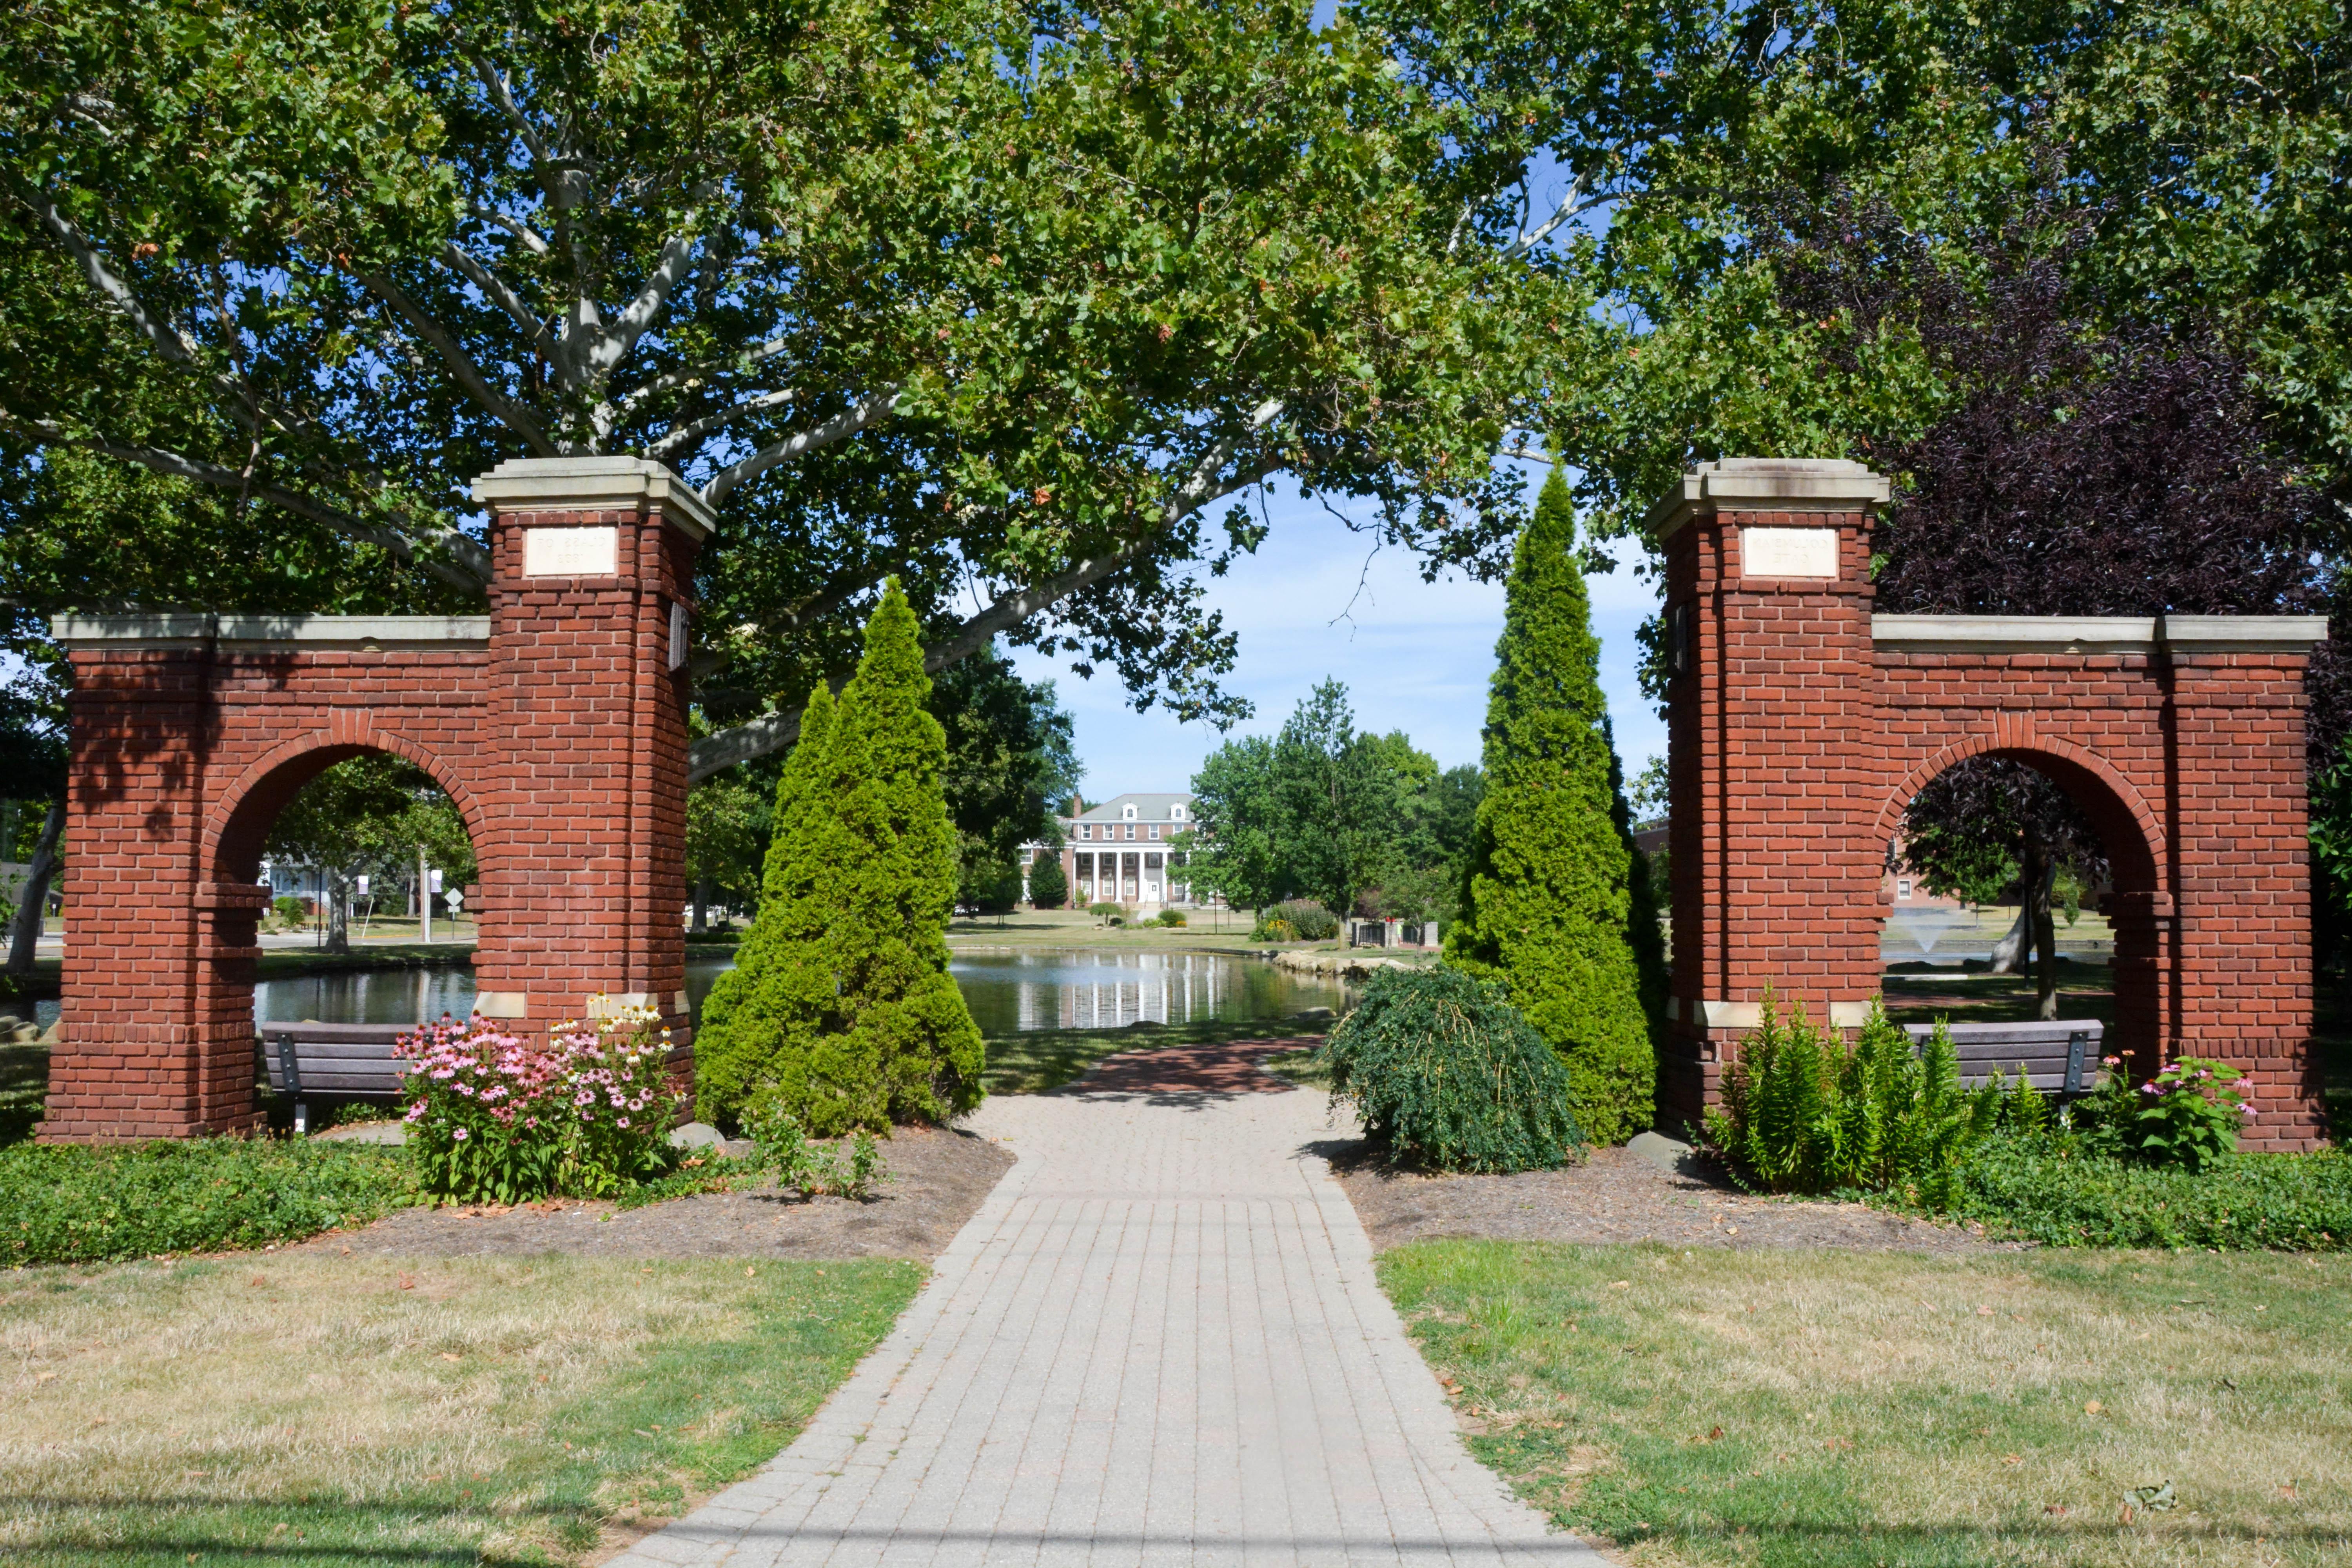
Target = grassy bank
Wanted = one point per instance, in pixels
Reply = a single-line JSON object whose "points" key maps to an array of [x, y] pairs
{"points": [[1851, 1408], [316, 1408], [1070, 928]]}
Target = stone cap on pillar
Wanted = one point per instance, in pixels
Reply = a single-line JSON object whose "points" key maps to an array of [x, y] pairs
{"points": [[1768, 484], [596, 484]]}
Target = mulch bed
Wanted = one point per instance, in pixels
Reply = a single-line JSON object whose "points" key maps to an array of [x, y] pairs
{"points": [[940, 1178], [1617, 1196]]}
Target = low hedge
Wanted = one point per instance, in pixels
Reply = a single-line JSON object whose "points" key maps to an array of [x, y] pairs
{"points": [[65, 1204], [2022, 1186]]}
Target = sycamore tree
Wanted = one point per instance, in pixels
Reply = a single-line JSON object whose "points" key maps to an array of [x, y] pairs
{"points": [[1001, 300]]}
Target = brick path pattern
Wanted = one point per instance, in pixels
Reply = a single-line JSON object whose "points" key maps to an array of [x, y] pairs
{"points": [[1160, 1342]]}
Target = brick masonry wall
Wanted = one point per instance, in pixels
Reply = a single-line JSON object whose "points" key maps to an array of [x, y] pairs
{"points": [[1794, 745], [563, 745]]}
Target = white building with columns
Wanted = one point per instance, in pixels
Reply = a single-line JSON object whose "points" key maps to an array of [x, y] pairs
{"points": [[1122, 852]]}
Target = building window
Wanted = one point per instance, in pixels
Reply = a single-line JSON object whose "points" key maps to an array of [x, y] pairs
{"points": [[1084, 832], [1155, 832], [1175, 814], [1902, 888], [1128, 812], [1130, 832]]}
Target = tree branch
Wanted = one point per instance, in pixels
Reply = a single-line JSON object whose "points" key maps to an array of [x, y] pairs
{"points": [[177, 465], [1528, 239], [608, 349], [840, 427], [460, 365], [677, 378], [521, 231], [774, 731], [499, 294], [687, 434]]}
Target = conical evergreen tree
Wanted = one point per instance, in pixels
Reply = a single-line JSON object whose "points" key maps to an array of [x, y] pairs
{"points": [[841, 1009], [1548, 901], [770, 1007]]}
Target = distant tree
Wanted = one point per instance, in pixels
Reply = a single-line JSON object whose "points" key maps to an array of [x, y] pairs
{"points": [[840, 1010], [1322, 811], [725, 825], [1547, 906], [367, 815], [1011, 762], [32, 759], [1049, 885]]}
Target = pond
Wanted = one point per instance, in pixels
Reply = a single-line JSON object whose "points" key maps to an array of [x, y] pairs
{"points": [[1008, 992]]}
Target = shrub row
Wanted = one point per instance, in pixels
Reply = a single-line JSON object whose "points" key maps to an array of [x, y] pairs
{"points": [[1296, 920], [64, 1203]]}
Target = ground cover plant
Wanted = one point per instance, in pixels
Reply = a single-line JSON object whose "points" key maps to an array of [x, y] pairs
{"points": [[1448, 1076], [1768, 1407], [2023, 1186], [316, 1408], [71, 1204], [1296, 920]]}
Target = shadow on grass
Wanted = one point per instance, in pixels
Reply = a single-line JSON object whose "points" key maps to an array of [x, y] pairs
{"points": [[1039, 1060]]}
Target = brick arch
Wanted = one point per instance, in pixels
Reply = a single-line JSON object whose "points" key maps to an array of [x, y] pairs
{"points": [[248, 805], [2126, 821], [1801, 721], [556, 722]]}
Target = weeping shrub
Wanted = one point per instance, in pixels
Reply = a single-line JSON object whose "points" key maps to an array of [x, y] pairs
{"points": [[1804, 1113], [1447, 1075]]}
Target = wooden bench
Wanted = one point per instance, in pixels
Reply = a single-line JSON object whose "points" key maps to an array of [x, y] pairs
{"points": [[2061, 1054], [333, 1061]]}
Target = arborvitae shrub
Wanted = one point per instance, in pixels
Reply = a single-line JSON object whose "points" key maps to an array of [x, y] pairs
{"points": [[843, 1013], [1547, 905], [1448, 1076], [1049, 885]]}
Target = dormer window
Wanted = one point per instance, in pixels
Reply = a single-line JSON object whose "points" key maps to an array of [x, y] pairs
{"points": [[1175, 814], [1127, 812]]}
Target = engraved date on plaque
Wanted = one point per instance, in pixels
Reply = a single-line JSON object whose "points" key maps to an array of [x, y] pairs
{"points": [[1788, 552], [571, 552]]}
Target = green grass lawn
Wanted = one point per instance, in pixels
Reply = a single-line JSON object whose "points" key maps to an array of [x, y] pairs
{"points": [[318, 1408], [1032, 1061], [1807, 1408]]}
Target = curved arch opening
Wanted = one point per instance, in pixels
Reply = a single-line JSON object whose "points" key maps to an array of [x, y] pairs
{"points": [[2007, 875], [369, 861]]}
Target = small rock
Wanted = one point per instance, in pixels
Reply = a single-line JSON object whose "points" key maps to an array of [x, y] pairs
{"points": [[1314, 1015], [1667, 1153], [695, 1135], [49, 1035], [368, 1132]]}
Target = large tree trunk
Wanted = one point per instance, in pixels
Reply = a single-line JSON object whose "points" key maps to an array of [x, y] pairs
{"points": [[24, 937], [2045, 934], [2009, 952]]}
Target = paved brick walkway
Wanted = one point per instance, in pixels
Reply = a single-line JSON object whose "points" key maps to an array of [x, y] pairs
{"points": [[1159, 1342]]}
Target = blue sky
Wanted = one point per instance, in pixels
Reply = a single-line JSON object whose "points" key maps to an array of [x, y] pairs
{"points": [[1415, 655]]}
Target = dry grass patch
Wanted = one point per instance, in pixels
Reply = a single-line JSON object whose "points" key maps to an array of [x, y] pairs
{"points": [[352, 1409], [1832, 1408]]}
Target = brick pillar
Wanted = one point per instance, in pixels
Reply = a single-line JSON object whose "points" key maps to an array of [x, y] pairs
{"points": [[155, 1048], [2239, 990], [1773, 759], [593, 569]]}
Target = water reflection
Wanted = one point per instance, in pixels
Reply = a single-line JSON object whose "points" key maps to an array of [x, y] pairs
{"points": [[1013, 992], [1009, 992]]}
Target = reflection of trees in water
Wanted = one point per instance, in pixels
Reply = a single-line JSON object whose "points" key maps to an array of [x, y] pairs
{"points": [[1105, 990]]}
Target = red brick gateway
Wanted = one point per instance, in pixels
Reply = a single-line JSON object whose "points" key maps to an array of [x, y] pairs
{"points": [[1801, 723], [556, 722]]}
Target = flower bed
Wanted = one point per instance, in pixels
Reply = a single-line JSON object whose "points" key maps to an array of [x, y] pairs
{"points": [[494, 1119]]}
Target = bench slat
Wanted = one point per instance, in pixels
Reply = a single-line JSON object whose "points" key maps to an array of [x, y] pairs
{"points": [[2044, 1049]]}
